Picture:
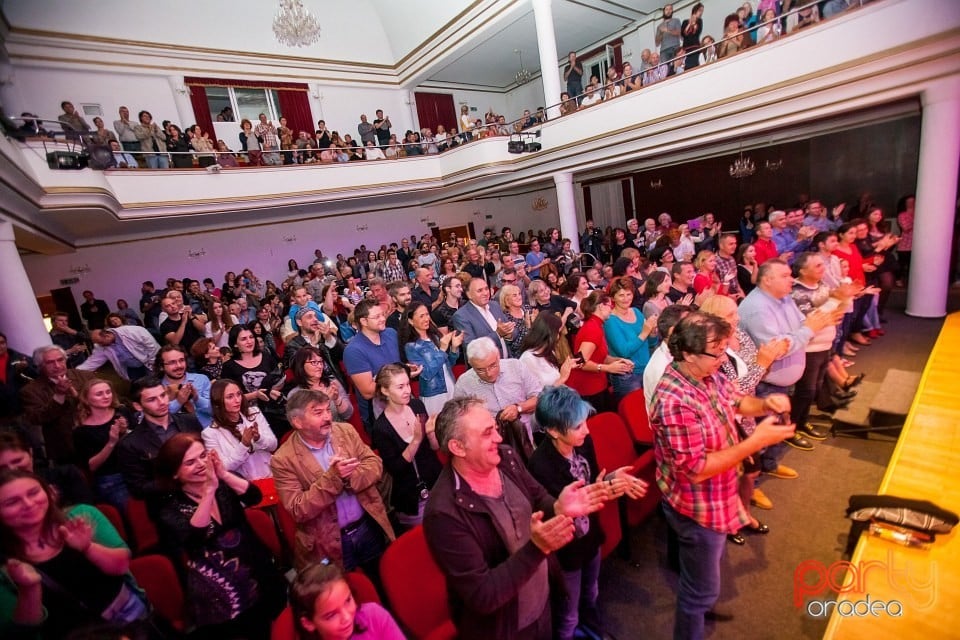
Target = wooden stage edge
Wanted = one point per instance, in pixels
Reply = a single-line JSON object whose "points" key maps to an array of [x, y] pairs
{"points": [[892, 591]]}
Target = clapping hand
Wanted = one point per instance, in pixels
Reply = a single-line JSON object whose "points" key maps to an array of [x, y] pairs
{"points": [[77, 534], [23, 574], [551, 535], [344, 466], [579, 499], [213, 459], [622, 482], [457, 339]]}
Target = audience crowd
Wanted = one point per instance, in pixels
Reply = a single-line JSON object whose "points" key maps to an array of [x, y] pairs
{"points": [[464, 372]]}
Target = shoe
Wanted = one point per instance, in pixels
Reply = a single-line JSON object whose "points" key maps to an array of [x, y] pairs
{"points": [[847, 363], [783, 472], [760, 500], [760, 528], [815, 433], [861, 340], [852, 347], [845, 394], [875, 333], [799, 442], [717, 616], [853, 382], [736, 538], [848, 353]]}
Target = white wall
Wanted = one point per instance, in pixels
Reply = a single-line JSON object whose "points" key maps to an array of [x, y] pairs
{"points": [[117, 270]]}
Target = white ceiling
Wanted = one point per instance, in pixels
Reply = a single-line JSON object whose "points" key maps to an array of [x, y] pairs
{"points": [[370, 31]]}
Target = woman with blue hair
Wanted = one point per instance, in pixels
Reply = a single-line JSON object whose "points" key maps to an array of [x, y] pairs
{"points": [[567, 455]]}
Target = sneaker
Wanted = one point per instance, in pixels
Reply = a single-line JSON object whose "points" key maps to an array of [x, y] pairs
{"points": [[799, 442], [783, 472], [760, 500], [814, 432]]}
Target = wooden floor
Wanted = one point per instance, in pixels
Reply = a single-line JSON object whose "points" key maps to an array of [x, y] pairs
{"points": [[926, 466]]}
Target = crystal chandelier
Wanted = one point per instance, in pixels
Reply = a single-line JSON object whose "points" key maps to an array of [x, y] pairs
{"points": [[294, 26], [523, 76], [742, 167]]}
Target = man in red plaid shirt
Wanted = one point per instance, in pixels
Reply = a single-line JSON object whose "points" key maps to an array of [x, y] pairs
{"points": [[698, 453]]}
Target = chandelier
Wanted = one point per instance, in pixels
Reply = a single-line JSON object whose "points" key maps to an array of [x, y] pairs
{"points": [[294, 26], [523, 76], [742, 167]]}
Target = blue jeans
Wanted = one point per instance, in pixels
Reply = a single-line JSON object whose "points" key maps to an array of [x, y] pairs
{"points": [[157, 161], [113, 490], [625, 383], [580, 605], [769, 457], [363, 544], [700, 552]]}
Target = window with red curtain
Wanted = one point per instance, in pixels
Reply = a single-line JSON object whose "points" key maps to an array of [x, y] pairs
{"points": [[294, 103], [295, 107], [201, 110], [436, 108]]}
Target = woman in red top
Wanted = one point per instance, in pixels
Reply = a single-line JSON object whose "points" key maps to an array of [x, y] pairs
{"points": [[590, 379], [707, 277], [847, 250]]}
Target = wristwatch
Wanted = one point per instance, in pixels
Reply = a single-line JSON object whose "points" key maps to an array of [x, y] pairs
{"points": [[519, 409]]}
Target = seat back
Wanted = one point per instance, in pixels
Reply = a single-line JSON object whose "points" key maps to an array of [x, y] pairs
{"points": [[157, 577], [633, 410], [414, 585], [611, 441], [110, 513], [262, 525], [142, 528]]}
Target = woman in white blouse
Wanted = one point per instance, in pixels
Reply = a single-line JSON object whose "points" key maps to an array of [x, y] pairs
{"points": [[239, 433], [540, 353]]}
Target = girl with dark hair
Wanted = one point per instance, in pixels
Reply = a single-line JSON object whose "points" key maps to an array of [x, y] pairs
{"points": [[263, 336], [404, 437], [310, 372], [63, 569], [220, 322], [324, 608], [233, 588], [545, 351], [423, 345], [239, 433]]}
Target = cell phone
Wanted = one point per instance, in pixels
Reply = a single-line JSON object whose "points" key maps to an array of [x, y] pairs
{"points": [[783, 418], [578, 356]]}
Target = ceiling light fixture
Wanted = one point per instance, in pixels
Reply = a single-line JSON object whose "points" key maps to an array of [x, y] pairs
{"points": [[522, 76], [294, 26], [742, 167]]}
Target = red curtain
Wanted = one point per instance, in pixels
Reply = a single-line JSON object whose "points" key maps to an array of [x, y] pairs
{"points": [[436, 108], [201, 111], [295, 107], [244, 84]]}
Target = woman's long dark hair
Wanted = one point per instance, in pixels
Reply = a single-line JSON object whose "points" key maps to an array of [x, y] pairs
{"points": [[409, 334], [232, 341], [11, 546], [220, 418], [543, 336], [170, 457], [299, 362]]}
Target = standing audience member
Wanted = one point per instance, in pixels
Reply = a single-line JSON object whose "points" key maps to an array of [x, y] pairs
{"points": [[102, 422], [491, 526], [627, 332], [326, 479], [424, 346], [239, 433]]}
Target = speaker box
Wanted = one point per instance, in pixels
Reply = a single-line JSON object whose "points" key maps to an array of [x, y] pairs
{"points": [[515, 146], [65, 160], [101, 157]]}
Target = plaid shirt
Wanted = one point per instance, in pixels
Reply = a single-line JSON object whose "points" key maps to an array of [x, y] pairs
{"points": [[269, 134], [690, 419], [392, 271], [727, 272]]}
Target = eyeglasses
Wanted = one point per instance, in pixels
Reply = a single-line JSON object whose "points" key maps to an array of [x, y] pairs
{"points": [[509, 281], [715, 356], [318, 362]]}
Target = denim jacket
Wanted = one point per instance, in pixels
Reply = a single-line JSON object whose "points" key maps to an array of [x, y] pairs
{"points": [[434, 362]]}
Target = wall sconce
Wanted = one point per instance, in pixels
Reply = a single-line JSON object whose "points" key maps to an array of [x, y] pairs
{"points": [[539, 204], [183, 89], [193, 254], [289, 238], [656, 185], [81, 269], [361, 227], [773, 166]]}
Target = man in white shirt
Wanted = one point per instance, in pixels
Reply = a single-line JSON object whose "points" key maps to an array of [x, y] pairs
{"points": [[660, 359]]}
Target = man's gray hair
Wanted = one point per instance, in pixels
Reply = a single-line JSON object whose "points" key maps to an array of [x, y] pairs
{"points": [[481, 349], [39, 352], [449, 424], [775, 215]]}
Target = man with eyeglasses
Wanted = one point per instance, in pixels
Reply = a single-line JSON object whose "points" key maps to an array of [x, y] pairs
{"points": [[374, 346], [698, 451]]}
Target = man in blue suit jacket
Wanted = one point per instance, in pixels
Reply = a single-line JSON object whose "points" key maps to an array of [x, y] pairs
{"points": [[480, 317]]}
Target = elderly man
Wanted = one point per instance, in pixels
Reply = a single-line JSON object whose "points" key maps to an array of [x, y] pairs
{"points": [[424, 291], [50, 402], [491, 526], [727, 264], [508, 388], [698, 452], [769, 313], [326, 478], [481, 317]]}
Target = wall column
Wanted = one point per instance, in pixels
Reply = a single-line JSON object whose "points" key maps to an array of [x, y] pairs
{"points": [[20, 317], [936, 200], [181, 98], [567, 207], [547, 45]]}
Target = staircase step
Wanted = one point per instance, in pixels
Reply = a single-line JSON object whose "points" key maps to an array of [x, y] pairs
{"points": [[896, 392]]}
